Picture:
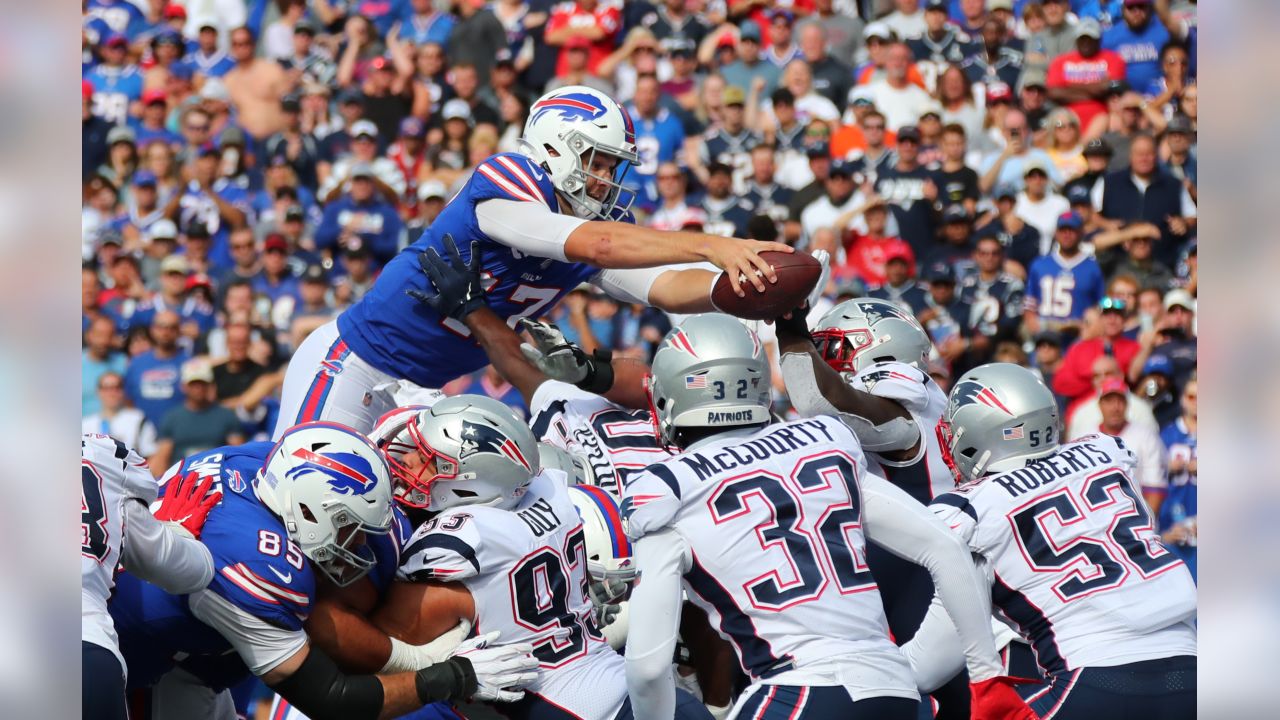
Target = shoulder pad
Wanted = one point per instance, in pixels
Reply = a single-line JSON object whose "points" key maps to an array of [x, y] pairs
{"points": [[650, 501], [514, 177], [446, 547]]}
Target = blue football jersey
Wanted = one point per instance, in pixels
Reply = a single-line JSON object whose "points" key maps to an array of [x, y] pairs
{"points": [[256, 568], [1060, 289], [406, 339], [113, 89]]}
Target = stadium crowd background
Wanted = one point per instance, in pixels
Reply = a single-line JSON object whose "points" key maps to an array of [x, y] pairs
{"points": [[1020, 175]]}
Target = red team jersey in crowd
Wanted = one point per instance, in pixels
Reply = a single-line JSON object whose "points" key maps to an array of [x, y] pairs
{"points": [[1072, 69], [607, 16]]}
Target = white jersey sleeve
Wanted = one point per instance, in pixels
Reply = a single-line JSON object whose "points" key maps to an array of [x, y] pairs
{"points": [[616, 442], [529, 227], [897, 381], [905, 528], [113, 477], [447, 547], [662, 558], [152, 551], [1076, 565], [261, 645]]}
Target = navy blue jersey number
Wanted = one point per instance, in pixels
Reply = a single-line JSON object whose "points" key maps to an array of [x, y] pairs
{"points": [[1091, 564], [816, 549], [543, 590], [93, 515]]}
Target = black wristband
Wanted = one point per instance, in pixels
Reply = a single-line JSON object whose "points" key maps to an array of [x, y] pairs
{"points": [[449, 681], [599, 378]]}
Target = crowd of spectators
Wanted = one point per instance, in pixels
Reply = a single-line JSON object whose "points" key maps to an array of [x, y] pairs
{"points": [[1018, 174]]}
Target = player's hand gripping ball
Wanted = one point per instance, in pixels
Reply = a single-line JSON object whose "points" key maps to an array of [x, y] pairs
{"points": [[797, 272]]}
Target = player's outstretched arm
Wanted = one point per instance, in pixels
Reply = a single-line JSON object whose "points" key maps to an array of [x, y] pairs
{"points": [[881, 424], [623, 245]]}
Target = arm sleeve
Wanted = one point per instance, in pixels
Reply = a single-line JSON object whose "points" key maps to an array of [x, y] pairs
{"points": [[935, 652], [179, 565], [526, 226], [631, 285], [905, 528], [261, 645], [655, 606]]}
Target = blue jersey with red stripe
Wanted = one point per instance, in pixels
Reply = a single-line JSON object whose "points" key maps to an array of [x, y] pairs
{"points": [[406, 339], [256, 568]]}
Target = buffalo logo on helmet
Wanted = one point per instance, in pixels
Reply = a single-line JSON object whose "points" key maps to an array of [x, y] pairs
{"points": [[571, 107], [347, 473], [478, 438], [970, 392]]}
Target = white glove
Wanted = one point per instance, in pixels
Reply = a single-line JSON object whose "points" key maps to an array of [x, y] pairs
{"points": [[553, 354], [824, 258], [719, 713], [499, 670], [411, 658]]}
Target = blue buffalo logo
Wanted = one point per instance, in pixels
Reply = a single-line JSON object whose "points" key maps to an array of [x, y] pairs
{"points": [[348, 473], [571, 107], [478, 438]]}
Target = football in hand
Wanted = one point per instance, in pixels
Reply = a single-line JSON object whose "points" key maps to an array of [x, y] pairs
{"points": [[797, 273]]}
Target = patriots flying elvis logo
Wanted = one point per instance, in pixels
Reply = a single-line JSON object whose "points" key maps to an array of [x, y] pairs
{"points": [[348, 473], [970, 392], [479, 438], [876, 312]]}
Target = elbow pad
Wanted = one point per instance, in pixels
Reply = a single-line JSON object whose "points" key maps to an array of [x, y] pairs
{"points": [[802, 385], [323, 692]]}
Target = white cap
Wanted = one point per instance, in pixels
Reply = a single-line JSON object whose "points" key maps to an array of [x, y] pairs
{"points": [[877, 29], [458, 109], [214, 89], [432, 188], [161, 229], [1089, 27], [197, 370], [363, 127], [1181, 298]]}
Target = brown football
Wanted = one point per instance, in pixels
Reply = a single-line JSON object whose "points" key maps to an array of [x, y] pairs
{"points": [[797, 274]]}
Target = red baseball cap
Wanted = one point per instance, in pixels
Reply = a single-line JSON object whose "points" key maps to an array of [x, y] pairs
{"points": [[275, 241], [1112, 386], [998, 91], [154, 95], [577, 42], [175, 12]]}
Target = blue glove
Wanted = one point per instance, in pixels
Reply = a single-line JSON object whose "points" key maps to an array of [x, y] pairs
{"points": [[457, 283]]}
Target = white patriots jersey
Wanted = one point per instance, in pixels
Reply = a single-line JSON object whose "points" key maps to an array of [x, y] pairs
{"points": [[926, 475], [773, 520], [526, 570], [111, 474], [616, 442], [1076, 565]]}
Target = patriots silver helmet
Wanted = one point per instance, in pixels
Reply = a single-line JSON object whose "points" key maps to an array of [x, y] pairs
{"points": [[567, 132], [571, 464], [331, 487], [999, 416], [710, 371], [465, 450], [863, 331], [609, 554]]}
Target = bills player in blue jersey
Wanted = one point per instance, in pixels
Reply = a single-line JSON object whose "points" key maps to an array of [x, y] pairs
{"points": [[541, 221], [117, 84], [313, 510]]}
